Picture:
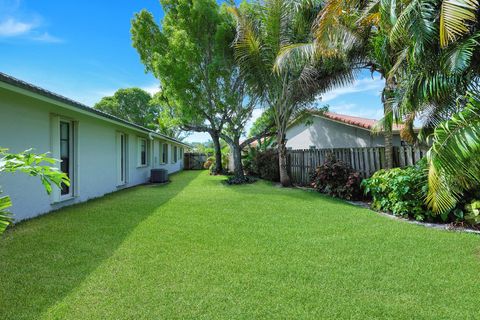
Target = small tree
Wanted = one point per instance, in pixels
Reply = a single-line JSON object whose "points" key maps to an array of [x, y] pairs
{"points": [[36, 165]]}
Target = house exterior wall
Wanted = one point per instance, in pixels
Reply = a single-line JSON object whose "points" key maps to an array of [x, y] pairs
{"points": [[324, 133], [26, 122]]}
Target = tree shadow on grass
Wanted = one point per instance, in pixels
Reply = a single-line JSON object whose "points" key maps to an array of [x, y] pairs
{"points": [[43, 259]]}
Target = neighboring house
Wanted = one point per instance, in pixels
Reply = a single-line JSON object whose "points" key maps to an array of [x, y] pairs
{"points": [[99, 152], [333, 130]]}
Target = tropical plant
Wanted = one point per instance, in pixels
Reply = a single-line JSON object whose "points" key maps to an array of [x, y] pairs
{"points": [[36, 165], [454, 163], [264, 29], [210, 163], [456, 19], [338, 179], [472, 213], [400, 191]]}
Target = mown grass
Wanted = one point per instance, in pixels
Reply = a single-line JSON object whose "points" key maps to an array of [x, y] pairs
{"points": [[197, 248]]}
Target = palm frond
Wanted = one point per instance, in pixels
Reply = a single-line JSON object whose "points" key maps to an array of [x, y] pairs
{"points": [[453, 159], [456, 16], [416, 24], [295, 54], [458, 56]]}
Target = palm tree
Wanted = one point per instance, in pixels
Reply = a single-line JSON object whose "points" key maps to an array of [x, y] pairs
{"points": [[454, 164], [356, 32], [263, 30]]}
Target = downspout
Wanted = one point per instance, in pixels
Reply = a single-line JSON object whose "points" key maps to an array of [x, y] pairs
{"points": [[152, 157]]}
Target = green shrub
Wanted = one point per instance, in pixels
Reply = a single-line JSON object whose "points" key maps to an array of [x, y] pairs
{"points": [[401, 191], [210, 164], [472, 212], [237, 181], [263, 164], [338, 179]]}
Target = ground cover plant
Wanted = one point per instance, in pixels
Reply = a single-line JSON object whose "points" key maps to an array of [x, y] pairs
{"points": [[196, 248]]}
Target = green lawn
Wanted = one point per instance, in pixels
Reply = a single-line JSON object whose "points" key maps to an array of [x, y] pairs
{"points": [[199, 249]]}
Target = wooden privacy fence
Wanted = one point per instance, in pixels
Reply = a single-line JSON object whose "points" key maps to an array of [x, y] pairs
{"points": [[194, 161], [302, 163]]}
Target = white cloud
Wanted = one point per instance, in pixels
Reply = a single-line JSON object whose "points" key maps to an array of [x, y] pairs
{"points": [[12, 27], [362, 85], [47, 37], [32, 28]]}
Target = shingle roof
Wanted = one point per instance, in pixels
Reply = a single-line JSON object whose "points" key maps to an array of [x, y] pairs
{"points": [[57, 97]]}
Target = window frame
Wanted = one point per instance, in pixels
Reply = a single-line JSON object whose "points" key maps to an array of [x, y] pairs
{"points": [[71, 157], [163, 153], [141, 164]]}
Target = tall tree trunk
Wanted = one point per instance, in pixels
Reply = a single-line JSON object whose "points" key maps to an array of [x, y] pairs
{"points": [[236, 151], [237, 159], [218, 152], [282, 160], [387, 130], [388, 149]]}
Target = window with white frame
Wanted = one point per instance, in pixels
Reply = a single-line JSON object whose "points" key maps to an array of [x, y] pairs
{"points": [[163, 153], [175, 154], [66, 156], [63, 135], [142, 152]]}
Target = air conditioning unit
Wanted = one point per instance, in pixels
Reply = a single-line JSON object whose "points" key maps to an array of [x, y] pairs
{"points": [[158, 176]]}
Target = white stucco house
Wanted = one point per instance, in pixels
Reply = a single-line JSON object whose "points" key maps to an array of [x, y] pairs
{"points": [[332, 130], [100, 153]]}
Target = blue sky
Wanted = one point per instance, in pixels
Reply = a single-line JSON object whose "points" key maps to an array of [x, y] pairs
{"points": [[82, 50]]}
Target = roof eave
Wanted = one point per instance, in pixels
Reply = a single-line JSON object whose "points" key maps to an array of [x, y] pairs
{"points": [[22, 87]]}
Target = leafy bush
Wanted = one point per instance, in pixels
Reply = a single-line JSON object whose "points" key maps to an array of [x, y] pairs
{"points": [[472, 212], [338, 179], [263, 164], [211, 161], [237, 181], [401, 191]]}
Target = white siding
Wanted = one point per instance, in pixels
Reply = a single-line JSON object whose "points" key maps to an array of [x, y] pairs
{"points": [[25, 123], [324, 133]]}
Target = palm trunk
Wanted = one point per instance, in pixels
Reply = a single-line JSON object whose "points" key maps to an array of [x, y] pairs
{"points": [[218, 152], [282, 160], [387, 130], [388, 149]]}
